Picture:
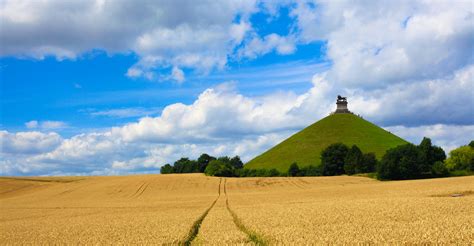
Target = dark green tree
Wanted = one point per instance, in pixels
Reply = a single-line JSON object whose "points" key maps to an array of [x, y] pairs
{"points": [[429, 154], [369, 162], [203, 161], [353, 160], [293, 170], [236, 162], [439, 169], [185, 165], [166, 169], [332, 159], [219, 168], [401, 162]]}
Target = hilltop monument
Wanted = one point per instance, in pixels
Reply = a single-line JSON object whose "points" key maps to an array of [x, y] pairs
{"points": [[342, 105], [341, 126]]}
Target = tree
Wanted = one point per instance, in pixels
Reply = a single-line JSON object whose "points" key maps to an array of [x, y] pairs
{"points": [[471, 144], [203, 161], [369, 162], [429, 154], [310, 171], [401, 162], [236, 162], [332, 159], [219, 168], [293, 170], [184, 165], [461, 158], [353, 160], [166, 169], [439, 169]]}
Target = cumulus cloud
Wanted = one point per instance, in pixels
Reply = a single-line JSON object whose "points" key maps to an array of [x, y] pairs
{"points": [[162, 33], [375, 44], [28, 142]]}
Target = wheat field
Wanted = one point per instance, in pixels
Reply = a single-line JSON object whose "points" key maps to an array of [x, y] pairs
{"points": [[199, 210]]}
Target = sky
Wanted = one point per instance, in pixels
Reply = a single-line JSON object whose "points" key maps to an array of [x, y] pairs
{"points": [[111, 87]]}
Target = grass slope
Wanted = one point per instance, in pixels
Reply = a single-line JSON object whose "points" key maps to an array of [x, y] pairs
{"points": [[305, 146]]}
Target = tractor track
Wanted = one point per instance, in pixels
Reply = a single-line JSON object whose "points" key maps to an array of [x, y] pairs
{"points": [[252, 235], [193, 232]]}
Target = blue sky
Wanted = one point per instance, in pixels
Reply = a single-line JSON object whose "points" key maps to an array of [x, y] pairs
{"points": [[110, 87]]}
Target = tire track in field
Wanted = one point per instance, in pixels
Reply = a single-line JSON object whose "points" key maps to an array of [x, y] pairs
{"points": [[140, 190], [293, 181], [252, 235], [193, 232]]}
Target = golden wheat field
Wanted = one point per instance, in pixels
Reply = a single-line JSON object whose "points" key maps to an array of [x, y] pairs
{"points": [[193, 208]]}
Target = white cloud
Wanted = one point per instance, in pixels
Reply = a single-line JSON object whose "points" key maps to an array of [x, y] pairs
{"points": [[375, 44], [28, 142], [45, 125], [177, 74], [188, 34], [258, 46], [31, 124], [124, 112]]}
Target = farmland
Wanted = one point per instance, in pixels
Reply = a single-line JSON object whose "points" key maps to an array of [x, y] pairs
{"points": [[193, 208]]}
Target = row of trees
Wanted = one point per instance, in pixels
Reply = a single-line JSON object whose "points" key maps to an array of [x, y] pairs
{"points": [[413, 161], [185, 165], [402, 162]]}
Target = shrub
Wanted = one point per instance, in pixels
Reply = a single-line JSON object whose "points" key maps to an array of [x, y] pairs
{"points": [[293, 170], [332, 159]]}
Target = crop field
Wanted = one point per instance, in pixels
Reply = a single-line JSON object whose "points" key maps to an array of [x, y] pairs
{"points": [[199, 210]]}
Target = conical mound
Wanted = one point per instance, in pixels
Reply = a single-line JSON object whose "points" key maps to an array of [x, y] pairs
{"points": [[305, 146]]}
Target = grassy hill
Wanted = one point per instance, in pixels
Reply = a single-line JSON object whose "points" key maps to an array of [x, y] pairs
{"points": [[305, 146]]}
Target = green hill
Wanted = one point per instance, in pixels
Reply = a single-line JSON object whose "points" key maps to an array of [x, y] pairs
{"points": [[305, 146]]}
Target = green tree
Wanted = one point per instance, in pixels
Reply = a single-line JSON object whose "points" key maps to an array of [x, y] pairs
{"points": [[401, 162], [236, 162], [203, 161], [310, 171], [293, 170], [461, 158], [185, 165], [332, 159], [439, 169], [471, 144], [429, 154], [166, 169], [353, 160], [369, 162], [219, 168]]}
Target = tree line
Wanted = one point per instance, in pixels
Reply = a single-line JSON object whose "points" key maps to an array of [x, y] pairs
{"points": [[407, 161]]}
